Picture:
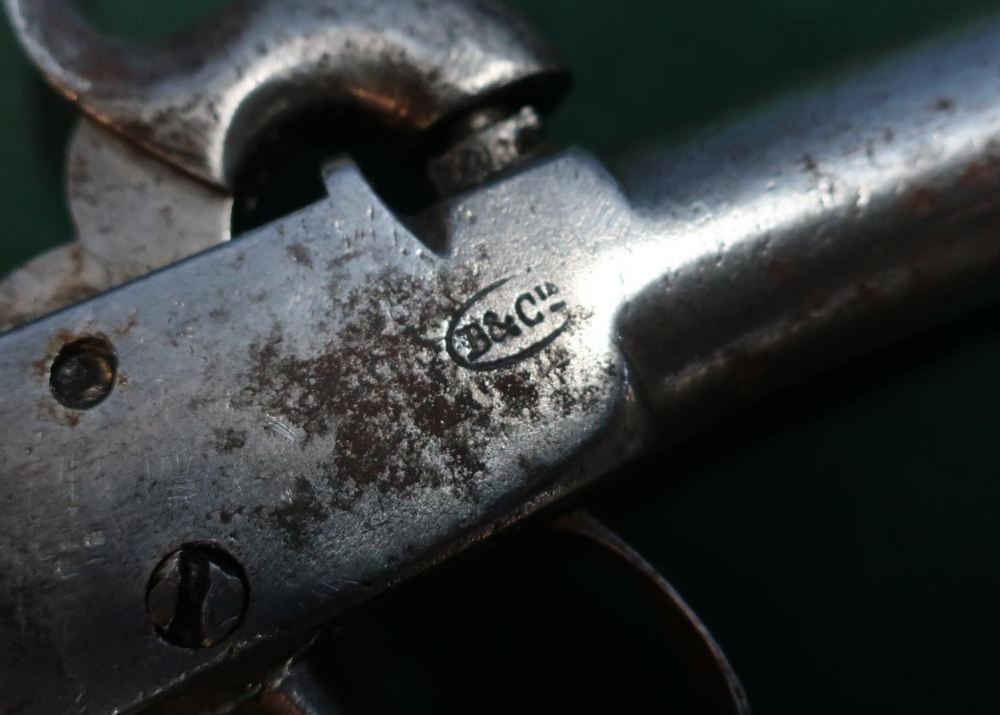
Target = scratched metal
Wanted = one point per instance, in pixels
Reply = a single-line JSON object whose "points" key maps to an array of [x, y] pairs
{"points": [[198, 100], [319, 397], [291, 397], [835, 223]]}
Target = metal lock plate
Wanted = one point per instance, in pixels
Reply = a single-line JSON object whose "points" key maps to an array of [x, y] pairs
{"points": [[837, 194]]}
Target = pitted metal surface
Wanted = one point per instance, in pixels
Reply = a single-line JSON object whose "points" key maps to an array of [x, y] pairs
{"points": [[291, 398], [338, 407], [198, 100]]}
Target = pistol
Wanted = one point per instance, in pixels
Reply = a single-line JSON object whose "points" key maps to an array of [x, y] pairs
{"points": [[256, 405]]}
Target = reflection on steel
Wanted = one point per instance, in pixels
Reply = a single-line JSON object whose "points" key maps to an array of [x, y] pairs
{"points": [[299, 692], [295, 397], [718, 689], [199, 99], [830, 225]]}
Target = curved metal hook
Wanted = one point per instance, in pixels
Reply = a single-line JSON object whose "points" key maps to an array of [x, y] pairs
{"points": [[198, 99]]}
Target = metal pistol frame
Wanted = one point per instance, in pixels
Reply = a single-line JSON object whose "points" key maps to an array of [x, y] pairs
{"points": [[246, 438]]}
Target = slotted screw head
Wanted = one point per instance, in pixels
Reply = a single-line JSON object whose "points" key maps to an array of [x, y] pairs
{"points": [[197, 596]]}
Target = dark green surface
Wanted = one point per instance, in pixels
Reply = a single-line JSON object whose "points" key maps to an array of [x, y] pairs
{"points": [[840, 539]]}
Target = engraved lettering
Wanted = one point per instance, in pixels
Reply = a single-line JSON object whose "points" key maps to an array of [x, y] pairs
{"points": [[519, 309], [478, 341], [504, 323], [500, 330]]}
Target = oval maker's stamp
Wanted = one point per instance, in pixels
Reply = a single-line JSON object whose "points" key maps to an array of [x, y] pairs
{"points": [[504, 323]]}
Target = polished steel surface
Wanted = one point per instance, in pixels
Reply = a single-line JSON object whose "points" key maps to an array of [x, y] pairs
{"points": [[199, 100], [834, 223], [300, 692]]}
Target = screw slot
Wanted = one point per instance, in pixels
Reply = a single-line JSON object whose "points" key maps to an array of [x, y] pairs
{"points": [[83, 373], [197, 596]]}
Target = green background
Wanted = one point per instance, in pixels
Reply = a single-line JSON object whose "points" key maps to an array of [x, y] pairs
{"points": [[840, 540]]}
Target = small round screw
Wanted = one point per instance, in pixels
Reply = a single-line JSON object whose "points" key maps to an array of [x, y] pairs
{"points": [[83, 373], [197, 596]]}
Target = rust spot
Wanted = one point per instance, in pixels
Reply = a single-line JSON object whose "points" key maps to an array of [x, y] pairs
{"points": [[229, 440], [519, 392], [584, 398], [220, 315], [41, 367], [943, 104], [124, 330], [226, 516], [568, 401], [302, 510], [62, 337], [399, 411], [61, 416], [301, 254], [73, 288], [375, 376], [809, 163]]}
